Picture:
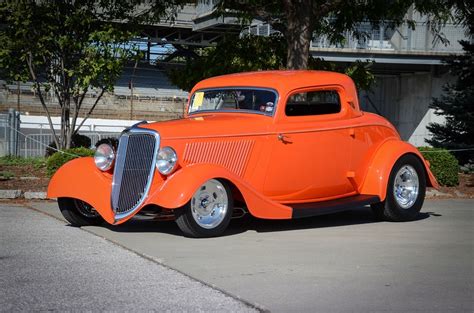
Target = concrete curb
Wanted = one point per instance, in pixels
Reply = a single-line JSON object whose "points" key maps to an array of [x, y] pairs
{"points": [[16, 194], [10, 193], [38, 195]]}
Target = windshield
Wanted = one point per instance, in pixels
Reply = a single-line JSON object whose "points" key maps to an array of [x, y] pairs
{"points": [[234, 99]]}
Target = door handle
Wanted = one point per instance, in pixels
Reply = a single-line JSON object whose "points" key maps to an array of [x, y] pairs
{"points": [[283, 138], [352, 132]]}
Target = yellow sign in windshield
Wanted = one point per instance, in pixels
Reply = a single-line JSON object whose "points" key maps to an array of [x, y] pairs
{"points": [[198, 100]]}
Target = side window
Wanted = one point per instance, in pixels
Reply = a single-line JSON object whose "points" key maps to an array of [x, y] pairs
{"points": [[313, 103]]}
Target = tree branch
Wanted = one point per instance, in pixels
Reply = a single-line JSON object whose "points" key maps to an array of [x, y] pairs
{"points": [[29, 60], [91, 110], [77, 107]]}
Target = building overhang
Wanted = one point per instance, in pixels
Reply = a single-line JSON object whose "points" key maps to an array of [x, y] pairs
{"points": [[381, 56]]}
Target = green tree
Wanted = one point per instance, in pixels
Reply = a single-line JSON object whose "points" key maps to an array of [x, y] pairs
{"points": [[70, 48], [252, 53], [300, 20], [231, 56], [457, 106], [297, 22], [457, 102]]}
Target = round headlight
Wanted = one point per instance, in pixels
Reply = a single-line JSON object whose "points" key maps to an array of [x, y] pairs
{"points": [[104, 157], [166, 160]]}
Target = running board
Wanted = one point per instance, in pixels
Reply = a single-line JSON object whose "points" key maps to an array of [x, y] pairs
{"points": [[332, 206]]}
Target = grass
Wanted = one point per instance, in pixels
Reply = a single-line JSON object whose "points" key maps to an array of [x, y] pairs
{"points": [[36, 162], [5, 175]]}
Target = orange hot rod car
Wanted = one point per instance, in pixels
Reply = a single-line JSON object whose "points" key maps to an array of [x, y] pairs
{"points": [[276, 144]]}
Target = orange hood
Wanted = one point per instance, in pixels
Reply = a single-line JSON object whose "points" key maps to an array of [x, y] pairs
{"points": [[212, 125]]}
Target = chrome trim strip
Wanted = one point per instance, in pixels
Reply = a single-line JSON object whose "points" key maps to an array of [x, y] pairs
{"points": [[117, 180], [284, 132], [118, 170]]}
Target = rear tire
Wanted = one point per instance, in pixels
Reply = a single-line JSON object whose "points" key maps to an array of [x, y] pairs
{"points": [[209, 211], [79, 213], [405, 191]]}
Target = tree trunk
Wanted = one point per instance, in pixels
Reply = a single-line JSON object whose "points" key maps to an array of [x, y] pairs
{"points": [[298, 33], [65, 125], [37, 85]]}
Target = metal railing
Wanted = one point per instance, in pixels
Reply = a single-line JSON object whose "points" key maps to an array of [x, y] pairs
{"points": [[399, 39], [9, 136], [205, 7], [33, 140], [385, 38], [35, 145]]}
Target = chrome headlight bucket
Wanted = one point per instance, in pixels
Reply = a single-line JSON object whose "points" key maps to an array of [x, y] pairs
{"points": [[104, 157], [166, 160]]}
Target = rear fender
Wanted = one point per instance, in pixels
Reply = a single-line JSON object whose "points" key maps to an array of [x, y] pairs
{"points": [[378, 172], [179, 188], [80, 179]]}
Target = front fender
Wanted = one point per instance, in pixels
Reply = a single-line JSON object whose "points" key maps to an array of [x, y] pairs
{"points": [[179, 188], [80, 179], [378, 172]]}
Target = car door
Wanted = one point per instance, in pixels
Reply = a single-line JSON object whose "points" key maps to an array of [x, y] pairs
{"points": [[310, 158]]}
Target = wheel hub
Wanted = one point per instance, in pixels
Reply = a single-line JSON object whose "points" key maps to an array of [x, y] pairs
{"points": [[406, 186], [209, 204]]}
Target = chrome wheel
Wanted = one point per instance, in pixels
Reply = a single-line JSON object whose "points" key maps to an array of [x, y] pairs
{"points": [[406, 186], [209, 205], [85, 209]]}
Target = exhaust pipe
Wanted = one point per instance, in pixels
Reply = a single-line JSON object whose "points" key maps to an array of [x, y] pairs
{"points": [[239, 212]]}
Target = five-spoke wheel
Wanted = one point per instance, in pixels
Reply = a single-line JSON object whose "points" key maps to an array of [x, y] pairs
{"points": [[209, 211]]}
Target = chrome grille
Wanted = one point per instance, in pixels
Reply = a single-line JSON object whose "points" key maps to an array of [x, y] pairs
{"points": [[134, 168]]}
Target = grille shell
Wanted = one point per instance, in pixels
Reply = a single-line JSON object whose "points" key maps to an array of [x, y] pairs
{"points": [[134, 170]]}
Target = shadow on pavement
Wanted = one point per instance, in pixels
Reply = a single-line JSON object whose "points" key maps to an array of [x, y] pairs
{"points": [[238, 226], [145, 226]]}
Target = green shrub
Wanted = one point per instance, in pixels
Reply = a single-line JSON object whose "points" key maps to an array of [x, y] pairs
{"points": [[59, 158], [5, 175], [77, 141], [444, 165]]}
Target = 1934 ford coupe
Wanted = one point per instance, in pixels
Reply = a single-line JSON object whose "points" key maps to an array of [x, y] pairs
{"points": [[277, 144]]}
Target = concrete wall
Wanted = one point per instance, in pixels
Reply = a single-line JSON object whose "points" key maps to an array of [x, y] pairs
{"points": [[404, 100], [110, 106]]}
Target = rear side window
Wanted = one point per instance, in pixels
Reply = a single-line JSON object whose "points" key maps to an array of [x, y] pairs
{"points": [[313, 103]]}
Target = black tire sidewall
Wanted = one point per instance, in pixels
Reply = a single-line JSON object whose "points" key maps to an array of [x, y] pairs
{"points": [[393, 211], [68, 208]]}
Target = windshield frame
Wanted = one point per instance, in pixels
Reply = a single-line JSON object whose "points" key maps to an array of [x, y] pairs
{"points": [[274, 91]]}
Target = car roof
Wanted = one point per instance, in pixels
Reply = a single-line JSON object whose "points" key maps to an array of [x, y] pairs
{"points": [[282, 81]]}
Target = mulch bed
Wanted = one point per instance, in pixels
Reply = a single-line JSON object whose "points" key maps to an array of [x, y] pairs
{"points": [[465, 188], [26, 178]]}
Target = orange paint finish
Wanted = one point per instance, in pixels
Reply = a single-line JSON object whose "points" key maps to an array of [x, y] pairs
{"points": [[172, 194], [80, 179], [231, 154], [273, 160], [378, 171]]}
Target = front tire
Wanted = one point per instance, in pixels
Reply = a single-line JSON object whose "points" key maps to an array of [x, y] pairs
{"points": [[405, 191], [209, 211], [78, 212]]}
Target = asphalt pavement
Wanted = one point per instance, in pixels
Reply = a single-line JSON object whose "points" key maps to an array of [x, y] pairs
{"points": [[344, 262], [48, 266]]}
